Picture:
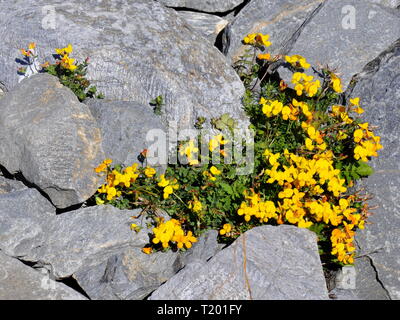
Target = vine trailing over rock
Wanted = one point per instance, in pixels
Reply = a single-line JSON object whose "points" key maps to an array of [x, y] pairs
{"points": [[309, 150]]}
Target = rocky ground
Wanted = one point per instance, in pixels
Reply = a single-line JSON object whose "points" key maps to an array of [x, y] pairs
{"points": [[53, 247]]}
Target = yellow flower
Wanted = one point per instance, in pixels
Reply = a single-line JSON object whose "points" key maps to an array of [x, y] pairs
{"points": [[358, 135], [64, 51], [163, 182], [188, 149], [25, 53], [309, 144], [226, 228], [195, 205], [358, 110], [169, 186], [147, 250], [215, 171], [355, 101], [286, 112], [336, 83], [264, 56], [149, 172], [297, 61], [250, 38], [263, 39]]}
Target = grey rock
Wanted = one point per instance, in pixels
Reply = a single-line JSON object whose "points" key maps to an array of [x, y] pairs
{"points": [[367, 285], [280, 19], [10, 185], [378, 87], [72, 238], [331, 38], [342, 294], [264, 263], [24, 217], [204, 249], [204, 5], [20, 282], [388, 3], [52, 138], [208, 25], [132, 275], [138, 50], [127, 275], [124, 126]]}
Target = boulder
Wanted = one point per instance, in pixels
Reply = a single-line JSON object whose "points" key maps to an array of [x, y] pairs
{"points": [[51, 138], [127, 275], [378, 87], [266, 262], [204, 5], [282, 20], [131, 274], [24, 217], [340, 35], [72, 238], [204, 249], [138, 50], [207, 25], [20, 282], [124, 126]]}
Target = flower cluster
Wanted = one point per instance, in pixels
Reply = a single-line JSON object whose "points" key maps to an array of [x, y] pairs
{"points": [[254, 206], [297, 61], [304, 83], [168, 186], [309, 149], [257, 39], [116, 179], [367, 144], [171, 231], [212, 173], [343, 243], [190, 150], [69, 73], [64, 60]]}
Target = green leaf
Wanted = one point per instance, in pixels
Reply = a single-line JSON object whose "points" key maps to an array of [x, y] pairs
{"points": [[364, 169], [227, 188]]}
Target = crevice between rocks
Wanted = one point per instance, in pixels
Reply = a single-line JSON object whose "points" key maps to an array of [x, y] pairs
{"points": [[74, 285], [67, 281], [18, 176], [371, 67], [377, 276], [235, 11], [290, 43]]}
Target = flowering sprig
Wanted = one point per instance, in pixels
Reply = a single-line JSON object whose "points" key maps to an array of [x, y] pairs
{"points": [[70, 73]]}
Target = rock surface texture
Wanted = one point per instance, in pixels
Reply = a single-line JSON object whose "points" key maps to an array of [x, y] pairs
{"points": [[280, 19], [124, 127], [208, 25], [264, 263], [379, 89], [138, 51], [51, 138], [341, 33], [20, 282], [24, 218]]}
